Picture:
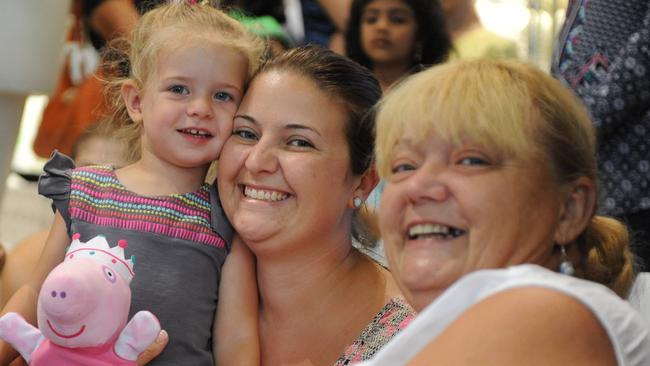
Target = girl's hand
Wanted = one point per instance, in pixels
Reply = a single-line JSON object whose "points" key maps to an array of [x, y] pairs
{"points": [[154, 349], [18, 362]]}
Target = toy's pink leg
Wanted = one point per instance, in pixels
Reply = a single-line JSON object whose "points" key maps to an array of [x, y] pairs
{"points": [[24, 337], [137, 335]]}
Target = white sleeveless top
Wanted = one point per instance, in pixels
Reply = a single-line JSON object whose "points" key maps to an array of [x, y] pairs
{"points": [[628, 333]]}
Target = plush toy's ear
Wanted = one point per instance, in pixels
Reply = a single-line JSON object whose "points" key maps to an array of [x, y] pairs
{"points": [[137, 335], [24, 337]]}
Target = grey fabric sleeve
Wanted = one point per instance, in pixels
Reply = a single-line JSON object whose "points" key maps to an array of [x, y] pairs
{"points": [[54, 184], [220, 223]]}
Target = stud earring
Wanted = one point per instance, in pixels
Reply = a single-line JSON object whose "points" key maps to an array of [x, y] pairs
{"points": [[357, 201], [566, 267]]}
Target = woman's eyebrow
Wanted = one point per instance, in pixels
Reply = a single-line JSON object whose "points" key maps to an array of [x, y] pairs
{"points": [[246, 117], [297, 126]]}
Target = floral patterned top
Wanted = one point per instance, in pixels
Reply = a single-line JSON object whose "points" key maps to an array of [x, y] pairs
{"points": [[604, 56], [391, 319]]}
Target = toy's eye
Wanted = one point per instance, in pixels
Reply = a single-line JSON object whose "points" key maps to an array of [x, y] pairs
{"points": [[109, 274]]}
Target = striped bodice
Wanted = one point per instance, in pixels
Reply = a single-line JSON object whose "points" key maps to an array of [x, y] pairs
{"points": [[98, 197]]}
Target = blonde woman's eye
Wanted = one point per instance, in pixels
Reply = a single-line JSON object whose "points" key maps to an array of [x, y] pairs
{"points": [[472, 161], [223, 96], [399, 168]]}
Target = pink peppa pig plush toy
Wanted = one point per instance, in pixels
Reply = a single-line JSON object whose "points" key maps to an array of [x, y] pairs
{"points": [[83, 307]]}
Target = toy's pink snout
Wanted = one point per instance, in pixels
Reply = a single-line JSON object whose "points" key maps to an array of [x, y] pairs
{"points": [[67, 293]]}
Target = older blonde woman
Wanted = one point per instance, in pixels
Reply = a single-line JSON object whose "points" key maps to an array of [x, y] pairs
{"points": [[490, 192]]}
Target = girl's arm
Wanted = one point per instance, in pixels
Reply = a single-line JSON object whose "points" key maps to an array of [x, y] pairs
{"points": [[236, 333], [24, 300]]}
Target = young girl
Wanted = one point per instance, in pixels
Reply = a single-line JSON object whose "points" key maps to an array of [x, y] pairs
{"points": [[187, 70], [392, 37]]}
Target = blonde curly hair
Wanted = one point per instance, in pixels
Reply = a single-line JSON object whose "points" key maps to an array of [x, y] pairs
{"points": [[163, 28]]}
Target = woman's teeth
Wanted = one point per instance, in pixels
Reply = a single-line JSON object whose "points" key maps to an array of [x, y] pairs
{"points": [[422, 231], [259, 194]]}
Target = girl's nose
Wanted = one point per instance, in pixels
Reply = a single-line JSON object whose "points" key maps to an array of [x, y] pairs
{"points": [[200, 107], [382, 22]]}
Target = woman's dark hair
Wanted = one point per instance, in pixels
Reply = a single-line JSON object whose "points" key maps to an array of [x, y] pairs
{"points": [[350, 83], [431, 32]]}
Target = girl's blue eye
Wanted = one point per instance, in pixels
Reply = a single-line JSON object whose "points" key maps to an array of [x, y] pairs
{"points": [[244, 134], [223, 96], [178, 89]]}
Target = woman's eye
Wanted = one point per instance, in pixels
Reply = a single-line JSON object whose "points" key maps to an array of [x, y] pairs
{"points": [[472, 161], [300, 143], [178, 89], [245, 134], [403, 167], [223, 96]]}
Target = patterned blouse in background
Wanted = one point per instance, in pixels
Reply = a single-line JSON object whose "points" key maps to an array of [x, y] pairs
{"points": [[604, 55]]}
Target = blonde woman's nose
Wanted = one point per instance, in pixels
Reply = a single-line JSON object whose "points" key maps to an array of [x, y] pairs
{"points": [[426, 185]]}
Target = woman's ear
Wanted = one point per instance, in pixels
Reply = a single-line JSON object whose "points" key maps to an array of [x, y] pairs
{"points": [[133, 100], [577, 210], [366, 184]]}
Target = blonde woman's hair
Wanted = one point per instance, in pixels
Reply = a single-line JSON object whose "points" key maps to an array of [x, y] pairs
{"points": [[517, 110], [161, 29]]}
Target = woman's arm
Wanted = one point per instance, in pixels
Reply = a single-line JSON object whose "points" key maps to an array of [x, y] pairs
{"points": [[531, 326], [24, 300], [236, 332], [114, 18]]}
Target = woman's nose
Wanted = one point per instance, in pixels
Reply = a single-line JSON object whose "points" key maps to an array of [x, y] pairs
{"points": [[262, 159], [200, 107], [426, 184]]}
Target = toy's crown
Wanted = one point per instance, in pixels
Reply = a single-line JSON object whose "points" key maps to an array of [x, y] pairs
{"points": [[98, 249]]}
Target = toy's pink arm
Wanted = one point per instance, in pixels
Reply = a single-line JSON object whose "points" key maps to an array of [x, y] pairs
{"points": [[137, 335], [24, 337]]}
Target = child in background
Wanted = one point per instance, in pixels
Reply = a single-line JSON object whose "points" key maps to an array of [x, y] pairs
{"points": [[393, 38], [187, 70], [95, 146]]}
